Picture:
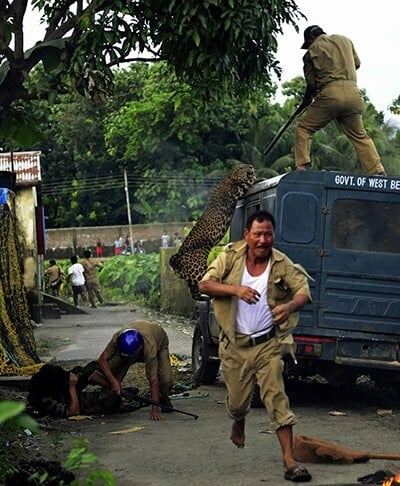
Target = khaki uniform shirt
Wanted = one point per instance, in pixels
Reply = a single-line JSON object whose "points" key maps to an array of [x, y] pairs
{"points": [[154, 340], [54, 273], [90, 270], [330, 58], [286, 280]]}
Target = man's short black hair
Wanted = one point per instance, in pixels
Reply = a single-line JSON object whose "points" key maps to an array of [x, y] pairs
{"points": [[48, 380], [260, 216], [73, 259], [310, 32], [87, 253]]}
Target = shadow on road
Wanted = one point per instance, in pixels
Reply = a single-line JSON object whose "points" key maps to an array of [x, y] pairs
{"points": [[362, 395]]}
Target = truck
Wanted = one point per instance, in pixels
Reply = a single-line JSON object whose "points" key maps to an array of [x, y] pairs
{"points": [[344, 229]]}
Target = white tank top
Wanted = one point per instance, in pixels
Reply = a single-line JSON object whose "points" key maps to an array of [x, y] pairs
{"points": [[254, 319]]}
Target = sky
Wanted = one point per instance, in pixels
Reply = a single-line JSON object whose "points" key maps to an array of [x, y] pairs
{"points": [[374, 29], [372, 26]]}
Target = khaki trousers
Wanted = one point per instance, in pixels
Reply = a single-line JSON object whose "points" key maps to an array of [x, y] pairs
{"points": [[263, 363], [341, 101], [94, 291]]}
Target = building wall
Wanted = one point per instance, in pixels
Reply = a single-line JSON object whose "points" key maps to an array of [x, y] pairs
{"points": [[25, 203], [175, 294], [63, 242]]}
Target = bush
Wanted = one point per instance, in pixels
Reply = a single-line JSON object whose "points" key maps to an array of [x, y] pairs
{"points": [[16, 470], [132, 278]]}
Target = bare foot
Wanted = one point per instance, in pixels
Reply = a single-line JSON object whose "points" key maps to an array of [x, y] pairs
{"points": [[301, 167], [237, 434]]}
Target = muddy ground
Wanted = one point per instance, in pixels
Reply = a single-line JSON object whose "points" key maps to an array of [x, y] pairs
{"points": [[182, 450]]}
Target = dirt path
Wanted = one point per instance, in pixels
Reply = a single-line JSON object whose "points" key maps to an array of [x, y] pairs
{"points": [[182, 450]]}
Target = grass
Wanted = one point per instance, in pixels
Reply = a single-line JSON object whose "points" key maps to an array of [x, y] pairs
{"points": [[44, 346]]}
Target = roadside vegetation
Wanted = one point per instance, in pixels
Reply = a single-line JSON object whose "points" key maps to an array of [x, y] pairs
{"points": [[174, 147], [18, 467], [165, 97], [124, 279]]}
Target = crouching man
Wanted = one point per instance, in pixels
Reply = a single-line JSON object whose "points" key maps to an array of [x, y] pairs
{"points": [[138, 342]]}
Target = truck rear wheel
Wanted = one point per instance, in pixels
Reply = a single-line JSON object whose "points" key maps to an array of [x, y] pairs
{"points": [[205, 364]]}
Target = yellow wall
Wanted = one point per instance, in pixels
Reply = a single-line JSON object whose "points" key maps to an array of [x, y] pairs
{"points": [[25, 203]]}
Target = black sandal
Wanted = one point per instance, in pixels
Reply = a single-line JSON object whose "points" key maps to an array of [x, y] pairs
{"points": [[297, 474]]}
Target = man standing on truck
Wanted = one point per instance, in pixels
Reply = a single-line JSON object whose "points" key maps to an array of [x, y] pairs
{"points": [[330, 65], [257, 293]]}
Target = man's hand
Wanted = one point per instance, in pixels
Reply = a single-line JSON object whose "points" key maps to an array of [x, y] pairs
{"points": [[249, 295], [305, 103], [72, 379], [280, 313], [73, 408], [155, 413], [116, 387], [307, 99]]}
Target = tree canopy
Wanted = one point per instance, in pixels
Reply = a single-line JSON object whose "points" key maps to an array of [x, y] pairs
{"points": [[211, 44], [172, 147]]}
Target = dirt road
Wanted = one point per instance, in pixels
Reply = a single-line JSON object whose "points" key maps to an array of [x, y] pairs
{"points": [[182, 450]]}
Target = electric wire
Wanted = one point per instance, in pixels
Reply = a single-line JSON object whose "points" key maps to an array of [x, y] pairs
{"points": [[106, 183]]}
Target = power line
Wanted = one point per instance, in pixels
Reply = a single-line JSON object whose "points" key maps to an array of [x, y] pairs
{"points": [[133, 178], [105, 183]]}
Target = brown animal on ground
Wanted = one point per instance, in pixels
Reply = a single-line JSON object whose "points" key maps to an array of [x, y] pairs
{"points": [[312, 450]]}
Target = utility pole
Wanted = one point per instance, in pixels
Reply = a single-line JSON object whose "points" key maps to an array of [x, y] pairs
{"points": [[128, 207]]}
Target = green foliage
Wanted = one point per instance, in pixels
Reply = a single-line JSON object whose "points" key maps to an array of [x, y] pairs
{"points": [[125, 279], [173, 146], [395, 106], [12, 418], [11, 412], [80, 458], [132, 278], [12, 421], [17, 125], [214, 253], [215, 45]]}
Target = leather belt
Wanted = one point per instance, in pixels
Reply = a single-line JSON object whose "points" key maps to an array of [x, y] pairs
{"points": [[254, 341]]}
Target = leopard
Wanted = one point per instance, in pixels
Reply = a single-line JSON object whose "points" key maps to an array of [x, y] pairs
{"points": [[190, 261]]}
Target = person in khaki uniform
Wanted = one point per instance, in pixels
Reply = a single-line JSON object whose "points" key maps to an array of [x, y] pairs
{"points": [[138, 342], [55, 276], [92, 282], [257, 294], [330, 65]]}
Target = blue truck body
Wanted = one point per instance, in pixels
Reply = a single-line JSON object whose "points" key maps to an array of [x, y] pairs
{"points": [[345, 231]]}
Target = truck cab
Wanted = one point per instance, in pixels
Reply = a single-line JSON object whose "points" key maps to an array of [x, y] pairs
{"points": [[345, 231]]}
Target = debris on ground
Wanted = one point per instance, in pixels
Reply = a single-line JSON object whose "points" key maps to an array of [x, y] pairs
{"points": [[336, 413]]}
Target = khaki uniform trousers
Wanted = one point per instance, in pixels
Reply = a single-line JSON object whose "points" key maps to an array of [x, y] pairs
{"points": [[94, 291], [263, 363], [341, 101]]}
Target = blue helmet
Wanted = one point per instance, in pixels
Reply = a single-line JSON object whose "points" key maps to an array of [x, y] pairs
{"points": [[129, 342]]}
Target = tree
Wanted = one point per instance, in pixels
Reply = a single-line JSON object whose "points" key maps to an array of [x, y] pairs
{"points": [[170, 144], [210, 43]]}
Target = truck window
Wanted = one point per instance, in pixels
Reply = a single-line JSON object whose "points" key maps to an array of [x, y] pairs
{"points": [[298, 218], [366, 226]]}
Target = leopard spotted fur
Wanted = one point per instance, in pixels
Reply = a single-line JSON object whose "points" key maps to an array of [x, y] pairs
{"points": [[190, 262]]}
